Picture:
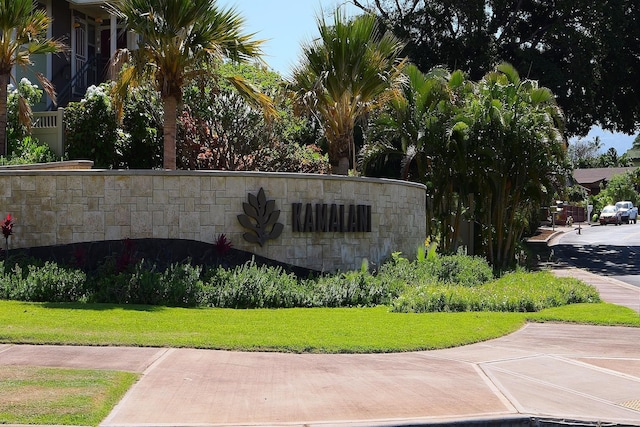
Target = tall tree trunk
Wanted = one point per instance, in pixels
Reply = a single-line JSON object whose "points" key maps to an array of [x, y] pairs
{"points": [[342, 168], [4, 81], [170, 105], [339, 149]]}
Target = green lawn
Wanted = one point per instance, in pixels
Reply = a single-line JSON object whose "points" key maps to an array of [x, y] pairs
{"points": [[34, 395], [335, 330], [31, 395]]}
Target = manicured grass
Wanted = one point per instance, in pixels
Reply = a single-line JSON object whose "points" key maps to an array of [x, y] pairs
{"points": [[593, 314], [336, 330], [32, 395]]}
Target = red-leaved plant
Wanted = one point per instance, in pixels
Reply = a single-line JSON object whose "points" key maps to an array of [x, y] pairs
{"points": [[222, 245], [7, 230], [127, 257]]}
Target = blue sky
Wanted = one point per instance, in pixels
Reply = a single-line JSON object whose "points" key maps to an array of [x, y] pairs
{"points": [[285, 24]]}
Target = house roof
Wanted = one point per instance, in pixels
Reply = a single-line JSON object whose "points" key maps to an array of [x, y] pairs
{"points": [[595, 175]]}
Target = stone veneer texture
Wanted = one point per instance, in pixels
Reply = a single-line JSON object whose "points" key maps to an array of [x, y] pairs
{"points": [[60, 207]]}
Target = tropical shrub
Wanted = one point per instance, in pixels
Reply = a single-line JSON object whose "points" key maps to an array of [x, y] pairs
{"points": [[253, 286], [31, 94], [182, 285], [404, 286], [91, 129], [140, 134], [222, 130], [352, 289], [29, 150], [291, 157], [46, 283], [619, 187], [93, 132], [22, 148], [457, 269], [141, 283], [461, 270], [514, 292]]}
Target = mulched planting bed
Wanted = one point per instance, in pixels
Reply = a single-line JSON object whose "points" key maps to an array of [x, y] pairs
{"points": [[88, 256]]}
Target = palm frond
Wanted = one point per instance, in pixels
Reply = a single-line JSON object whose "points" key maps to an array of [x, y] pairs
{"points": [[354, 67], [254, 96]]}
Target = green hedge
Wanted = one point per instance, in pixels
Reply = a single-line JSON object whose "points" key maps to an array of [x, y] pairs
{"points": [[429, 284], [514, 292]]}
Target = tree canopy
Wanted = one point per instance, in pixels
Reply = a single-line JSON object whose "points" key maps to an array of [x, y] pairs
{"points": [[586, 52], [23, 30], [347, 72], [490, 152], [182, 39], [587, 154]]}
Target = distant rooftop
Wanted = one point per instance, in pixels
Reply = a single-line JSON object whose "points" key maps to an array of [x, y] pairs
{"points": [[596, 175]]}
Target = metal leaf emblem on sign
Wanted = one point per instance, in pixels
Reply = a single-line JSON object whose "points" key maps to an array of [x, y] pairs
{"points": [[260, 217]]}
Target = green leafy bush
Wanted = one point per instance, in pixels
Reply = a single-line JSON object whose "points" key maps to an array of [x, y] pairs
{"points": [[291, 157], [404, 271], [28, 150], [91, 128], [456, 269], [141, 133], [514, 292], [182, 285], [30, 94], [112, 288], [461, 269], [352, 289], [46, 283], [178, 285], [253, 286], [424, 285], [22, 148]]}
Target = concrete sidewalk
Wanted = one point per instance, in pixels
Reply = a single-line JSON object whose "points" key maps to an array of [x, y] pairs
{"points": [[588, 374]]}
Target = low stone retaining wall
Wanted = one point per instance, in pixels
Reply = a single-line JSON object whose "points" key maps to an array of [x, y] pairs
{"points": [[65, 165], [321, 222]]}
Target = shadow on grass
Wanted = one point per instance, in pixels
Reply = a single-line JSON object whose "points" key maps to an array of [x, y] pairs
{"points": [[103, 307]]}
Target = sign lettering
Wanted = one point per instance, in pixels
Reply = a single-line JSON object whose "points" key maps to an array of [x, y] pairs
{"points": [[331, 218]]}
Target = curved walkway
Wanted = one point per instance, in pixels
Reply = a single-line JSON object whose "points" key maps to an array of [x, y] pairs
{"points": [[574, 373]]}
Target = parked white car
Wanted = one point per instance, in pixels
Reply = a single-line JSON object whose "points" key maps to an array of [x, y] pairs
{"points": [[628, 212]]}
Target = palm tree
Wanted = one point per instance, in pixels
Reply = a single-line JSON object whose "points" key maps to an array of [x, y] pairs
{"points": [[180, 40], [23, 30], [351, 69], [401, 133], [517, 149], [421, 134]]}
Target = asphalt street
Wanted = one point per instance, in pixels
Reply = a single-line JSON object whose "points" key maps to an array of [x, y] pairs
{"points": [[605, 250]]}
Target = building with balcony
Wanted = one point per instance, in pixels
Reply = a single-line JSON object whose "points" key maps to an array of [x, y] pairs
{"points": [[92, 34]]}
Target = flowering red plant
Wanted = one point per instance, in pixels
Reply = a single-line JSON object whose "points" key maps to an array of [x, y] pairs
{"points": [[222, 245], [7, 226], [7, 230]]}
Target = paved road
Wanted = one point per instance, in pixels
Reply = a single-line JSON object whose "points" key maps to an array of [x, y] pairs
{"points": [[606, 250]]}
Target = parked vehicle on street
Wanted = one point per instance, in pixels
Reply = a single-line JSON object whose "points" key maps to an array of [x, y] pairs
{"points": [[628, 212], [610, 215]]}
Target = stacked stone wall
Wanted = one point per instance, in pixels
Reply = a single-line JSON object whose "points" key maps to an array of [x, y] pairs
{"points": [[58, 207]]}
